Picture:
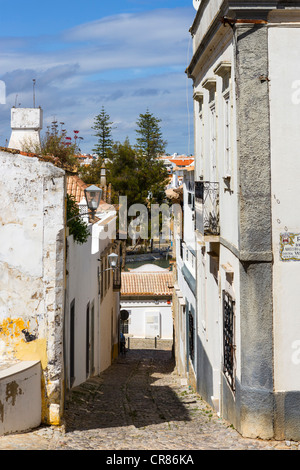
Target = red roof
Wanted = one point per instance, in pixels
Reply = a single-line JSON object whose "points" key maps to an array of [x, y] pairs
{"points": [[142, 284], [75, 187], [182, 161]]}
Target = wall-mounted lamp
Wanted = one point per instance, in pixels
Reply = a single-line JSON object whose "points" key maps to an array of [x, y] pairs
{"points": [[93, 196], [113, 262]]}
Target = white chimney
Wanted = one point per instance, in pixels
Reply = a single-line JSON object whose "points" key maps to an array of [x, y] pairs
{"points": [[26, 124]]}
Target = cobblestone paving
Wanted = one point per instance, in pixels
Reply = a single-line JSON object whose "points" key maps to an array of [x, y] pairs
{"points": [[139, 403]]}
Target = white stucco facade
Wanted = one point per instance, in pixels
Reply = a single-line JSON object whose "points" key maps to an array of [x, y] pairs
{"points": [[245, 71], [42, 272], [149, 318], [184, 296], [146, 295], [92, 305], [26, 124], [32, 275], [285, 145]]}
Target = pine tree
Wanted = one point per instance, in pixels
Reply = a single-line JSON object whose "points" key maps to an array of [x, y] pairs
{"points": [[150, 144], [90, 174], [103, 128]]}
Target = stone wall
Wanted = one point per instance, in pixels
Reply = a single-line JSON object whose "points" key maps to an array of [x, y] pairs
{"points": [[32, 274]]}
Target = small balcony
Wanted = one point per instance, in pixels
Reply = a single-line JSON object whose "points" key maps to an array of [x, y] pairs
{"points": [[207, 208]]}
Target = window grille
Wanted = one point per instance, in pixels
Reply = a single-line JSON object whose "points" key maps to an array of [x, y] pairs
{"points": [[229, 339], [181, 248], [207, 216], [191, 337]]}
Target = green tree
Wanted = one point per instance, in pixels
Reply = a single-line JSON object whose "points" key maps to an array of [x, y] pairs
{"points": [[123, 173], [77, 227], [141, 180], [103, 128], [90, 174], [150, 142], [134, 176]]}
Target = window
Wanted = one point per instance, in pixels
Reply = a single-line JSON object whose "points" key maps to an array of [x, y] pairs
{"points": [[87, 353], [108, 279], [105, 275], [101, 278], [191, 337], [92, 352], [181, 248], [227, 137], [200, 169], [213, 141], [72, 342], [125, 324], [223, 70], [229, 339]]}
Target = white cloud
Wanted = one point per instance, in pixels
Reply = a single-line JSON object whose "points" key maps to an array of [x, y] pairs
{"points": [[125, 62]]}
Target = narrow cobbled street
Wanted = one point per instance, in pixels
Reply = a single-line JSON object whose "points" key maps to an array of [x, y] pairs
{"points": [[139, 403]]}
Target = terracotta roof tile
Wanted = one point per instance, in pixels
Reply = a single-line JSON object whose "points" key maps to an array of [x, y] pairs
{"points": [[182, 161], [75, 187], [154, 284]]}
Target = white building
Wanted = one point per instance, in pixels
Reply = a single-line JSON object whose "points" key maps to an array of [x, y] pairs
{"points": [[92, 295], [32, 278], [184, 298], [59, 301], [245, 70], [146, 294]]}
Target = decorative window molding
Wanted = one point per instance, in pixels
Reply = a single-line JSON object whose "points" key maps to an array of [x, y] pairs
{"points": [[223, 68], [198, 96], [209, 84]]}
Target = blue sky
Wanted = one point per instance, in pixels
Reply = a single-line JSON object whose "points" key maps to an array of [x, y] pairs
{"points": [[128, 56]]}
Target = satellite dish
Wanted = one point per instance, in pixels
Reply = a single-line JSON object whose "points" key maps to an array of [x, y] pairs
{"points": [[124, 315], [196, 4]]}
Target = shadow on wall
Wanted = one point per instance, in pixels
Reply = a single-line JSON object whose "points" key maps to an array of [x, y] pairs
{"points": [[204, 374]]}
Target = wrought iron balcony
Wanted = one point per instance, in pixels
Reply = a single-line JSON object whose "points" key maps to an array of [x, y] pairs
{"points": [[207, 207]]}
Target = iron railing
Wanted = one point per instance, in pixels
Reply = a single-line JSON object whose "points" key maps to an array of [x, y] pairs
{"points": [[207, 207]]}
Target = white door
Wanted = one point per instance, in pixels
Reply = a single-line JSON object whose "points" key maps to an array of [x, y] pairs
{"points": [[152, 324]]}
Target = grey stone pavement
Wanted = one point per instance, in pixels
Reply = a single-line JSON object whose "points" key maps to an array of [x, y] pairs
{"points": [[139, 403]]}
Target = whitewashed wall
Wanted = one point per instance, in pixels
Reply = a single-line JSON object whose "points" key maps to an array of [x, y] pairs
{"points": [[83, 289], [141, 310], [284, 55], [32, 253]]}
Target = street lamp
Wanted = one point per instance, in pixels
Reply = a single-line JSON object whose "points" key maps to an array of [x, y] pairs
{"points": [[113, 262], [93, 196]]}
